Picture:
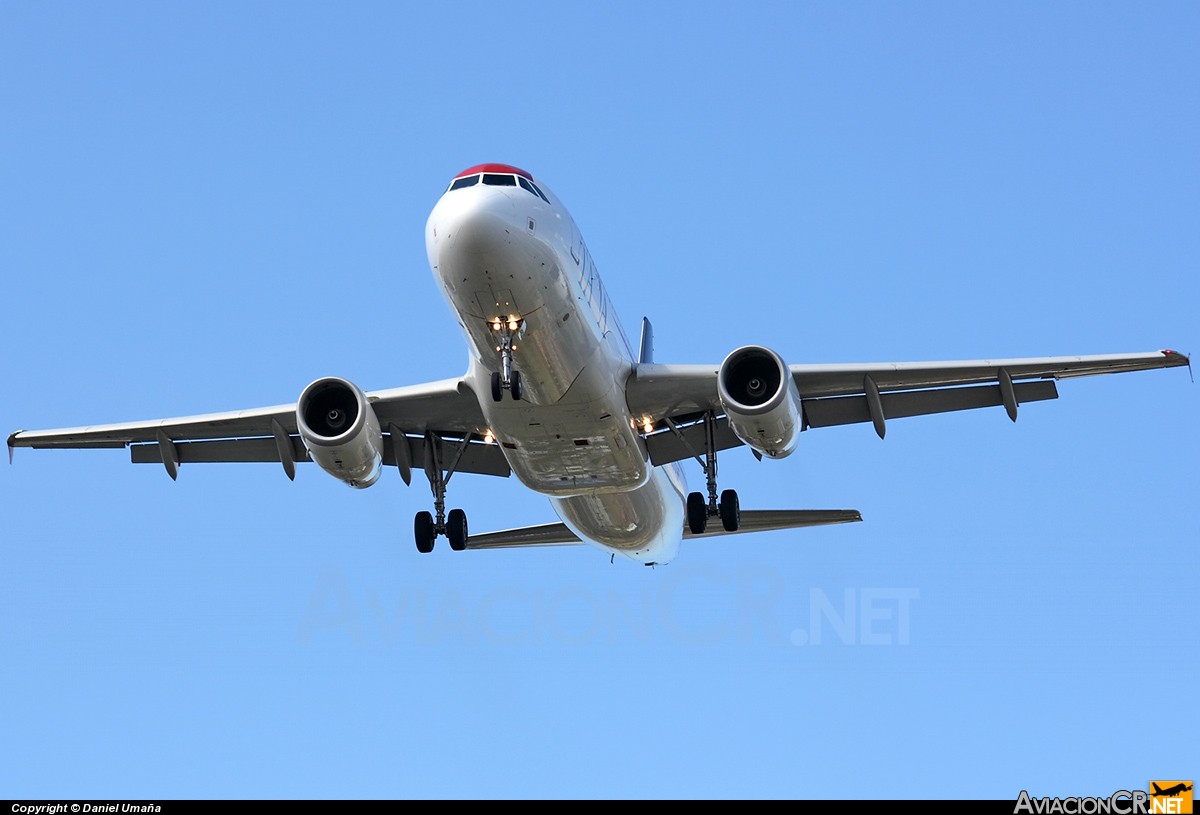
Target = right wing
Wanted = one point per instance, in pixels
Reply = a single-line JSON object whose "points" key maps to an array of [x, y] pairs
{"points": [[447, 408], [834, 394]]}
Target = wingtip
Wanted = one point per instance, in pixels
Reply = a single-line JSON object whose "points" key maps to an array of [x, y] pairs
{"points": [[1177, 358], [12, 444]]}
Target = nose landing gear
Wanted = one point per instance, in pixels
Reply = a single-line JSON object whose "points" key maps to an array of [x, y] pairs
{"points": [[507, 378]]}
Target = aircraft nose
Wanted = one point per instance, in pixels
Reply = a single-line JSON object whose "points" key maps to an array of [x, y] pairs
{"points": [[477, 221]]}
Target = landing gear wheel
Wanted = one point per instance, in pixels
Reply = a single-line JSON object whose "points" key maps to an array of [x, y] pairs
{"points": [[424, 532], [514, 386], [730, 510], [497, 393], [456, 529], [697, 513]]}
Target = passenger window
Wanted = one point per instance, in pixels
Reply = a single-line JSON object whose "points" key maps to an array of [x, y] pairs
{"points": [[469, 181], [497, 180]]}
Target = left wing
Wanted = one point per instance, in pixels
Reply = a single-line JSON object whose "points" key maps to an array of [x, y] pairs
{"points": [[833, 394], [447, 408]]}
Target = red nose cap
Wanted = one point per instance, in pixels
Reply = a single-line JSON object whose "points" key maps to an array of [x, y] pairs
{"points": [[494, 168]]}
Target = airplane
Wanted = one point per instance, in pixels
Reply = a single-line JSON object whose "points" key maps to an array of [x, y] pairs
{"points": [[1170, 791], [556, 395]]}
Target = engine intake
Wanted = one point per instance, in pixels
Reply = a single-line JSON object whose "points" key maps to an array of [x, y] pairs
{"points": [[341, 431], [759, 396]]}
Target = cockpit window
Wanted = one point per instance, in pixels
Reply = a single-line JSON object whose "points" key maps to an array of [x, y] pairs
{"points": [[499, 180], [539, 192], [529, 185]]}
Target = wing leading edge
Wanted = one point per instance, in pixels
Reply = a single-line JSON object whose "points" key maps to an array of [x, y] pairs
{"points": [[835, 394], [447, 408]]}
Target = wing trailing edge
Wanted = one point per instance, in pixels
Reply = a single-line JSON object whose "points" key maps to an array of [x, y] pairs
{"points": [[753, 520]]}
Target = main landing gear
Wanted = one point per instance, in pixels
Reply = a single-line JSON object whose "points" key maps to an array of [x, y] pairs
{"points": [[700, 509], [427, 526], [506, 379]]}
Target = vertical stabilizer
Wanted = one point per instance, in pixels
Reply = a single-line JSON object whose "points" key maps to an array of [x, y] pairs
{"points": [[646, 346]]}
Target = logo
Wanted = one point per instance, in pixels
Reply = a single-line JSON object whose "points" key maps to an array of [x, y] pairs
{"points": [[1163, 798], [1170, 797]]}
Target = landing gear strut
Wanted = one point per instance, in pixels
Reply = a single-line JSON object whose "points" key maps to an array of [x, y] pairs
{"points": [[426, 526], [507, 378], [699, 510]]}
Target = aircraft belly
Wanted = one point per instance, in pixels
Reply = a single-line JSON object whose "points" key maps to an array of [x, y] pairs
{"points": [[645, 524], [583, 444], [566, 458]]}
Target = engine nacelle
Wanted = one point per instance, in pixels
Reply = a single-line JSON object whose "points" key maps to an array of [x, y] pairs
{"points": [[759, 396], [341, 431]]}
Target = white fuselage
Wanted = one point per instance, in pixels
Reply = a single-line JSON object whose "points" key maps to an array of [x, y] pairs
{"points": [[499, 252]]}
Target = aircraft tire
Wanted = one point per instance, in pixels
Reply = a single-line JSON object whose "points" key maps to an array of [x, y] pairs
{"points": [[456, 529], [730, 510], [424, 532], [697, 513]]}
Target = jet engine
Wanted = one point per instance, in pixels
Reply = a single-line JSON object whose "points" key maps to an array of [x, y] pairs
{"points": [[341, 431], [759, 396]]}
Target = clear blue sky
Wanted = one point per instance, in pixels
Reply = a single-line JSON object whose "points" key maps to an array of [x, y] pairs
{"points": [[205, 207]]}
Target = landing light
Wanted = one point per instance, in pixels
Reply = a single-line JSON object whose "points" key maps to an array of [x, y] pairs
{"points": [[489, 437], [496, 325], [647, 424]]}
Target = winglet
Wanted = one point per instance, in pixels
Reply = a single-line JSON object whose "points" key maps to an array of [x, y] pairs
{"points": [[11, 438]]}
